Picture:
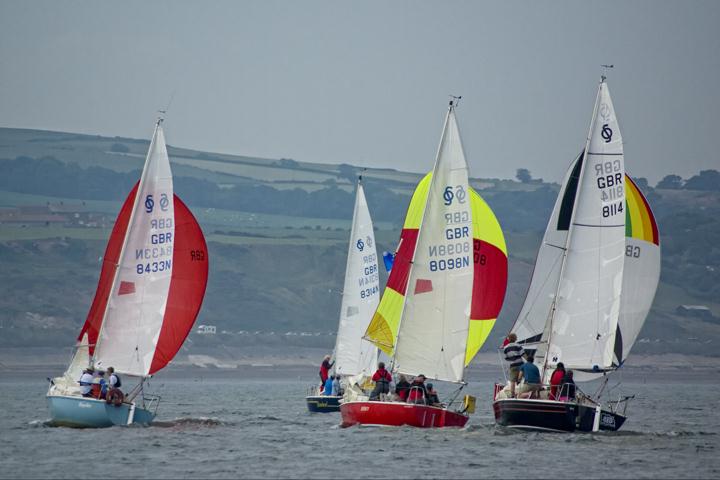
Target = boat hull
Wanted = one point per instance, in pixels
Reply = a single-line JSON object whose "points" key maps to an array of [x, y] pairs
{"points": [[397, 414], [551, 415], [81, 412], [323, 403]]}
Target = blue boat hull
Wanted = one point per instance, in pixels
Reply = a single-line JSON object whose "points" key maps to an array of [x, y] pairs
{"points": [[323, 403], [92, 413]]}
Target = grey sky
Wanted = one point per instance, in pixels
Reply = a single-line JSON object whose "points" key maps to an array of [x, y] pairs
{"points": [[367, 82]]}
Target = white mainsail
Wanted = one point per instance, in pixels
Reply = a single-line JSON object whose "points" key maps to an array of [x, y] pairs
{"points": [[433, 329], [587, 307], [136, 306], [361, 294]]}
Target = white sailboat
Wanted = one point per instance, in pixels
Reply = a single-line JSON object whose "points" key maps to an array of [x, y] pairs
{"points": [[354, 356], [445, 289], [594, 281], [150, 291]]}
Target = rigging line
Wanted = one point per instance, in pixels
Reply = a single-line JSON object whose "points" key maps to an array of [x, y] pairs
{"points": [[534, 301]]}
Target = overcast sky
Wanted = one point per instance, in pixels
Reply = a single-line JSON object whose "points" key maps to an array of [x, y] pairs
{"points": [[367, 82]]}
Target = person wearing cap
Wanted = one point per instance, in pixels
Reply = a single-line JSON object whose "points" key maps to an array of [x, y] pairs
{"points": [[418, 390], [86, 381], [325, 367]]}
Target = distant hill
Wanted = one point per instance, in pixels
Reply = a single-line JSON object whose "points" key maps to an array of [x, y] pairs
{"points": [[277, 232]]}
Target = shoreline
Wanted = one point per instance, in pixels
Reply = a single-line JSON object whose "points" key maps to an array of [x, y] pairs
{"points": [[264, 362]]}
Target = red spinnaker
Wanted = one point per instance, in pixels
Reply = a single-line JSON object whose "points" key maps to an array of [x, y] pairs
{"points": [[187, 284]]}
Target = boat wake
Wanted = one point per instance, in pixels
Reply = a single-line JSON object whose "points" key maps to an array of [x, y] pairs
{"points": [[191, 422]]}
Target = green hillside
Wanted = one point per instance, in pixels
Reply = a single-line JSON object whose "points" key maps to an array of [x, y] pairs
{"points": [[277, 235]]}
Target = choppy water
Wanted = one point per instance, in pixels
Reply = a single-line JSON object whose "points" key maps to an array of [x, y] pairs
{"points": [[237, 425]]}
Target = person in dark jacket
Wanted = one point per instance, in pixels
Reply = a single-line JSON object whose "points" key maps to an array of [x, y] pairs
{"points": [[382, 379], [432, 398], [402, 388], [418, 390], [567, 390]]}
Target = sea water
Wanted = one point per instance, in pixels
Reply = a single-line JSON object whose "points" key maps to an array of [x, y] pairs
{"points": [[253, 423]]}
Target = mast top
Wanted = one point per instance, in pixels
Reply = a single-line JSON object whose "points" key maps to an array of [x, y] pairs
{"points": [[603, 77], [454, 100]]}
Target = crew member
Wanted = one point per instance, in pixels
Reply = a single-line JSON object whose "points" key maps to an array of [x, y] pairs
{"points": [[382, 379]]}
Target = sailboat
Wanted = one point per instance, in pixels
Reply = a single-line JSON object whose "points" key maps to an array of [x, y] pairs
{"points": [[594, 281], [355, 358], [443, 295], [150, 290]]}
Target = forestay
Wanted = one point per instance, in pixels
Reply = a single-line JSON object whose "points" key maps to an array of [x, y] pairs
{"points": [[361, 293], [588, 302], [536, 310], [433, 328]]}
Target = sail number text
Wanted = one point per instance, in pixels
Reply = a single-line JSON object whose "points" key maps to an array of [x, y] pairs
{"points": [[369, 280], [156, 256], [458, 251], [610, 183]]}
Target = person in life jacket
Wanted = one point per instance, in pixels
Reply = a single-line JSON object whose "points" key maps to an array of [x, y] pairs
{"points": [[402, 388], [325, 371], [382, 379], [86, 380], [113, 378], [418, 390], [99, 385]]}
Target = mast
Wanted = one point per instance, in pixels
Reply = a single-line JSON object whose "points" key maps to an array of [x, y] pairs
{"points": [[438, 298], [571, 227], [158, 124], [412, 260], [360, 293]]}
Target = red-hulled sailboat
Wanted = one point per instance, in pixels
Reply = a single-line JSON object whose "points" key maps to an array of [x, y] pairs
{"points": [[151, 288], [444, 292]]}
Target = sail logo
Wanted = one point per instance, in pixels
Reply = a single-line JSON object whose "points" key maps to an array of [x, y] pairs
{"points": [[606, 133], [605, 111], [149, 204], [459, 193], [360, 244], [164, 202], [369, 241]]}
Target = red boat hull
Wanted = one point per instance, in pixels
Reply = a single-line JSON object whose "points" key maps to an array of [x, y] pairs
{"points": [[397, 414]]}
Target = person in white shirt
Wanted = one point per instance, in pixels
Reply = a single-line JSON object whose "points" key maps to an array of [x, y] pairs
{"points": [[86, 381]]}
